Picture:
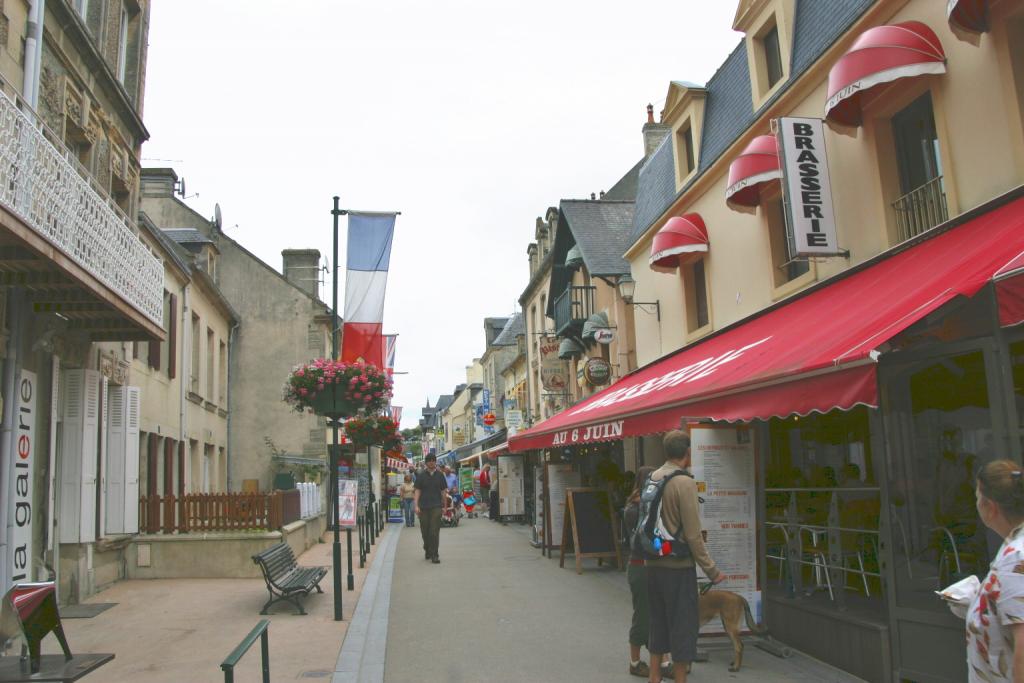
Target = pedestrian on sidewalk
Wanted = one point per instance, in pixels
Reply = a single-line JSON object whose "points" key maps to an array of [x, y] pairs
{"points": [[431, 491], [408, 492], [636, 575], [672, 580], [485, 485]]}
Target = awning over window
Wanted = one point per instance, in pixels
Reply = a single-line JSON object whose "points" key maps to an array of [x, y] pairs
{"points": [[1009, 283], [814, 353], [755, 167], [968, 15], [880, 55], [682, 238]]}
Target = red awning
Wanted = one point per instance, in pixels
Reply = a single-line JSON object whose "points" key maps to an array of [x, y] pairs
{"points": [[756, 166], [680, 239], [880, 55], [968, 15], [1009, 283], [814, 353]]}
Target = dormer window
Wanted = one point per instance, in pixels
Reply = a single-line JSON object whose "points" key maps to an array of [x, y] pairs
{"points": [[772, 55], [684, 114], [768, 25]]}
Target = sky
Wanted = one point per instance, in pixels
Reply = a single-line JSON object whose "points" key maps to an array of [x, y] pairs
{"points": [[469, 117]]}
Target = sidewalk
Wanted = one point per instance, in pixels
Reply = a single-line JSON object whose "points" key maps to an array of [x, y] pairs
{"points": [[496, 610], [175, 630]]}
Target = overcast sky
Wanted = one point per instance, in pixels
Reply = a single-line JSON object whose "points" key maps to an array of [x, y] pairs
{"points": [[469, 117]]}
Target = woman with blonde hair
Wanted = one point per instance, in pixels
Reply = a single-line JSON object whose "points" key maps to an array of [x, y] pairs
{"points": [[995, 618]]}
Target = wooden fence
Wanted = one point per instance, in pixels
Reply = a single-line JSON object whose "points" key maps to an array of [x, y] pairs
{"points": [[201, 512]]}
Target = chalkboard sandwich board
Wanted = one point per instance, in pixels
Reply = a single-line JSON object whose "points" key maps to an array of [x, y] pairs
{"points": [[594, 528]]}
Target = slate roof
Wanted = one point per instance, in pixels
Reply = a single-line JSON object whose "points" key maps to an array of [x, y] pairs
{"points": [[601, 230], [187, 236], [515, 326], [625, 188], [728, 112], [443, 401]]}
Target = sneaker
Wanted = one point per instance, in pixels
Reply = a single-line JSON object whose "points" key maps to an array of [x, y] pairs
{"points": [[668, 671], [435, 559], [641, 670]]}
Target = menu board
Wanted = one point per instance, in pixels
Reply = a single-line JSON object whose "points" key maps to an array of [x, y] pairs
{"points": [[724, 468], [560, 478], [510, 486]]}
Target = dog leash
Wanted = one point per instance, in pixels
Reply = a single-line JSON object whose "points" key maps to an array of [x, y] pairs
{"points": [[706, 587]]}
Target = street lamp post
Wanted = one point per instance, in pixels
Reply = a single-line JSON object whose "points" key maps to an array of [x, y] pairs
{"points": [[333, 487]]}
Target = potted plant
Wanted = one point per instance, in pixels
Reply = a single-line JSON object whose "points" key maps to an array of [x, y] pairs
{"points": [[337, 389], [373, 430]]}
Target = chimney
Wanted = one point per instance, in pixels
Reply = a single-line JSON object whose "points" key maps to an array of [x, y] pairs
{"points": [[158, 182], [593, 196], [301, 267], [654, 133]]}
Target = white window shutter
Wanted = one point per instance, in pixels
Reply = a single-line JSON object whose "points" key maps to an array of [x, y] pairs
{"points": [[133, 409], [78, 451], [116, 459], [90, 436]]}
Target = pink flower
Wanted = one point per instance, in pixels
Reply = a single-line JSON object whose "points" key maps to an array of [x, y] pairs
{"points": [[366, 399], [357, 395], [376, 394], [302, 392], [300, 373]]}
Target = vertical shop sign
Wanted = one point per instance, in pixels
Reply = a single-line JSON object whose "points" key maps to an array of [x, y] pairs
{"points": [[554, 372], [723, 466], [807, 186], [24, 467]]}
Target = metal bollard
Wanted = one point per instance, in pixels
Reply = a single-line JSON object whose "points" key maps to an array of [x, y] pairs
{"points": [[348, 543]]}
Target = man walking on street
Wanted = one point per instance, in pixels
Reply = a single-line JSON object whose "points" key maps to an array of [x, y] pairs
{"points": [[431, 490], [672, 580]]}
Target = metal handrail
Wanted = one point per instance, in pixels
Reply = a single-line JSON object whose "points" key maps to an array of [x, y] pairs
{"points": [[260, 631], [920, 209]]}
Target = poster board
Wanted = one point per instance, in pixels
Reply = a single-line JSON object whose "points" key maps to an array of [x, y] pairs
{"points": [[465, 478], [558, 478], [510, 486], [591, 527], [724, 466], [348, 491], [395, 512]]}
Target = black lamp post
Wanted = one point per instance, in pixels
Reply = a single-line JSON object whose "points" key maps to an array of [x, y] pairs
{"points": [[333, 486]]}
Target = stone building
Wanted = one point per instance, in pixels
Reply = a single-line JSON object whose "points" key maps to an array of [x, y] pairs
{"points": [[282, 323]]}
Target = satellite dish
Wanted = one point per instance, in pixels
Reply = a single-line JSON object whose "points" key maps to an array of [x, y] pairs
{"points": [[217, 220]]}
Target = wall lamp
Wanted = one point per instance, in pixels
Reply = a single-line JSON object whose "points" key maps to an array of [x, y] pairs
{"points": [[627, 287]]}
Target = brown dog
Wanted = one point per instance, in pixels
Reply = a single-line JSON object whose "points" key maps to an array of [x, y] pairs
{"points": [[733, 611]]}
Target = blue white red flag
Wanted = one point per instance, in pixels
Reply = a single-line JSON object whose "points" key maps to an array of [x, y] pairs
{"points": [[396, 414], [366, 278]]}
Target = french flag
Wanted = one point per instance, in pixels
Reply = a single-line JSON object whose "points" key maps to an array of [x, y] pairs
{"points": [[366, 279], [390, 340]]}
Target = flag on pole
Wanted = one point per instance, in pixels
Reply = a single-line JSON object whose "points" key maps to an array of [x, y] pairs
{"points": [[396, 414], [389, 352], [366, 278]]}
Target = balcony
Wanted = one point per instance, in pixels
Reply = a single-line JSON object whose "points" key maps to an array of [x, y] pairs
{"points": [[920, 209], [66, 243], [572, 308]]}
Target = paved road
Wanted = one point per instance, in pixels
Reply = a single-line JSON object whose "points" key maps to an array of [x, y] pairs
{"points": [[495, 610]]}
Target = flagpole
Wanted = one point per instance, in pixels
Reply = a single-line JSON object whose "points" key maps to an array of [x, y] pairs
{"points": [[333, 459]]}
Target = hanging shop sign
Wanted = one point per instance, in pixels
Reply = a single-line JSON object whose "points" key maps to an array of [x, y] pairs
{"points": [[554, 372], [513, 421], [489, 418], [604, 335], [597, 371], [812, 222], [24, 465]]}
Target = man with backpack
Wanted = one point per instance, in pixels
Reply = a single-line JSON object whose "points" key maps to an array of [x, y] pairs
{"points": [[669, 535]]}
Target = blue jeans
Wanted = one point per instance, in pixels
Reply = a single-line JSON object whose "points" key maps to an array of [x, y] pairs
{"points": [[409, 507]]}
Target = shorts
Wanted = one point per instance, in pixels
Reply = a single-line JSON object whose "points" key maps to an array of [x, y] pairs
{"points": [[672, 600]]}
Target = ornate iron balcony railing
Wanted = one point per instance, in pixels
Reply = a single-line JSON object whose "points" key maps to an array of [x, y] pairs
{"points": [[920, 209], [41, 185], [572, 308]]}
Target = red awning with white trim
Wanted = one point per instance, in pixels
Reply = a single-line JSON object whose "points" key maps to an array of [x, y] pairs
{"points": [[681, 239], [755, 167], [814, 353], [1009, 283], [396, 464], [880, 55], [967, 15]]}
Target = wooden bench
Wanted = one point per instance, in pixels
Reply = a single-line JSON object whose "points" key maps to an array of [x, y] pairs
{"points": [[285, 578]]}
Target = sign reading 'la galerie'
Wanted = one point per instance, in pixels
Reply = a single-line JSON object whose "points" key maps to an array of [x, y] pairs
{"points": [[24, 465], [807, 187]]}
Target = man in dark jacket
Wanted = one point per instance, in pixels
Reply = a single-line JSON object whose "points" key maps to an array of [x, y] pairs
{"points": [[431, 491]]}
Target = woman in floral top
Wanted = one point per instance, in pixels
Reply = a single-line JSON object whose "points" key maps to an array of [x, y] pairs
{"points": [[995, 618]]}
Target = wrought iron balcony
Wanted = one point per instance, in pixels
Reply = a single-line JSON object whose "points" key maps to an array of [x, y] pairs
{"points": [[57, 199], [572, 308], [920, 209]]}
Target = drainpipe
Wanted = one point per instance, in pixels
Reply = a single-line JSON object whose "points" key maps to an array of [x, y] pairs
{"points": [[33, 51], [185, 375], [231, 355], [10, 378]]}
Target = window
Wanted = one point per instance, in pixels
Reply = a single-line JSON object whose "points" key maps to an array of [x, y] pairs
{"points": [[211, 264], [122, 45], [695, 284], [194, 365], [922, 201], [784, 268], [772, 56], [686, 153], [223, 375], [209, 364]]}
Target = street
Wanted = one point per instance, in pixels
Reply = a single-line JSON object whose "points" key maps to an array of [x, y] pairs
{"points": [[496, 610]]}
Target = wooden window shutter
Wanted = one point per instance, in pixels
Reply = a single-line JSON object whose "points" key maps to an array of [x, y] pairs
{"points": [[172, 340], [154, 354]]}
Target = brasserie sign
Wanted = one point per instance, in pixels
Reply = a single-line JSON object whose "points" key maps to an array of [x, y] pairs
{"points": [[808, 189]]}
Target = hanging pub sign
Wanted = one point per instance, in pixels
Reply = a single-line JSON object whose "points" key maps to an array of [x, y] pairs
{"points": [[812, 223], [604, 335], [597, 371], [554, 372]]}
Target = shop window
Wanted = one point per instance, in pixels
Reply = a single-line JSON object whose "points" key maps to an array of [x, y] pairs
{"points": [[785, 267], [696, 291], [685, 150], [1017, 359], [922, 201]]}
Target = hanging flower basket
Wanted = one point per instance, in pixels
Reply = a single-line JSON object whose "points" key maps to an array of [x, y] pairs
{"points": [[374, 430], [337, 389]]}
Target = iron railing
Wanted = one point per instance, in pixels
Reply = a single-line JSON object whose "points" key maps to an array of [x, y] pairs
{"points": [[43, 186], [573, 307], [260, 631], [920, 209]]}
